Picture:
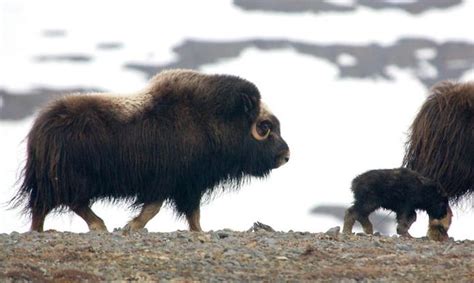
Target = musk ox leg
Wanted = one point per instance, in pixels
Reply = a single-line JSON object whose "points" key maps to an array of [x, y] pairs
{"points": [[37, 221], [194, 220], [149, 210], [405, 220], [94, 222]]}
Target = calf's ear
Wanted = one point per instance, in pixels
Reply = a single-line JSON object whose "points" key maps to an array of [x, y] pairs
{"points": [[424, 180]]}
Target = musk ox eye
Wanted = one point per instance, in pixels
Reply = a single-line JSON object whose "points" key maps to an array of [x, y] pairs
{"points": [[261, 130], [265, 127]]}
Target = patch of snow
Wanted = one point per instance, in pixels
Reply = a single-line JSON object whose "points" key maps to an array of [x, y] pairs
{"points": [[426, 53], [346, 60]]}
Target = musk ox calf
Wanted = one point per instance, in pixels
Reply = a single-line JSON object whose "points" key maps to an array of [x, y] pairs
{"points": [[441, 138], [181, 137], [402, 191]]}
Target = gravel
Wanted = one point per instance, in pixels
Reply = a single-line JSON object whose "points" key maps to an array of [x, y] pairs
{"points": [[227, 255]]}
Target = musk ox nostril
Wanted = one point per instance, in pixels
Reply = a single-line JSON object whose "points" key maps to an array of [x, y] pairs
{"points": [[282, 159]]}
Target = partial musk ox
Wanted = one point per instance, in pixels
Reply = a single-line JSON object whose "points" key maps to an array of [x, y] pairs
{"points": [[441, 138], [181, 137], [402, 191]]}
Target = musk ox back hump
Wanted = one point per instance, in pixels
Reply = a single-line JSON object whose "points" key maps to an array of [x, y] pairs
{"points": [[441, 138]]}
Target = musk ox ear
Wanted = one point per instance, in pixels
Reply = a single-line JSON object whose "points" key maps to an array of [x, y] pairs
{"points": [[249, 105], [239, 104], [234, 97]]}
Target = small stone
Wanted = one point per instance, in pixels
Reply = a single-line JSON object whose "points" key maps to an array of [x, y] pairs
{"points": [[334, 231], [204, 238], [377, 244], [270, 241], [228, 252], [281, 258], [258, 226], [181, 235], [14, 234], [403, 247], [222, 235]]}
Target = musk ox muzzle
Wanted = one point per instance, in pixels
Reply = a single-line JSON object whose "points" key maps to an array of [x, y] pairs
{"points": [[266, 131], [282, 158]]}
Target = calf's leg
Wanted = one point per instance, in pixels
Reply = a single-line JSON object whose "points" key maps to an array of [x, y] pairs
{"points": [[366, 225], [360, 214], [405, 220], [349, 220]]}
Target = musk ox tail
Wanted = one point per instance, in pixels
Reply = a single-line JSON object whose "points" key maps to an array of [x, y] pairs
{"points": [[37, 194], [440, 144]]}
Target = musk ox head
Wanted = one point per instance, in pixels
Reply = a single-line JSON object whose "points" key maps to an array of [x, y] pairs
{"points": [[242, 127], [265, 132]]}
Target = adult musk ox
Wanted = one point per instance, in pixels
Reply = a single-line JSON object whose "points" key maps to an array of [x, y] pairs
{"points": [[441, 138], [403, 191], [181, 137]]}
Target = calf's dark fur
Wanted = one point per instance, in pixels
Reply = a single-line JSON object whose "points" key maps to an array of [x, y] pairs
{"points": [[181, 137], [402, 191]]}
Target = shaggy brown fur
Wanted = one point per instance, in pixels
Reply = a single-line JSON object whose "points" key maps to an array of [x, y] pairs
{"points": [[176, 141], [441, 138], [402, 191]]}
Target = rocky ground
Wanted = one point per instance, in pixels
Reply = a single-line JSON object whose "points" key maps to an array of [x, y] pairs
{"points": [[256, 255]]}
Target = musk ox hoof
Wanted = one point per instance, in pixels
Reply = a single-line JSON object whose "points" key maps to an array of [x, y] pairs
{"points": [[130, 228], [406, 235], [98, 229]]}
